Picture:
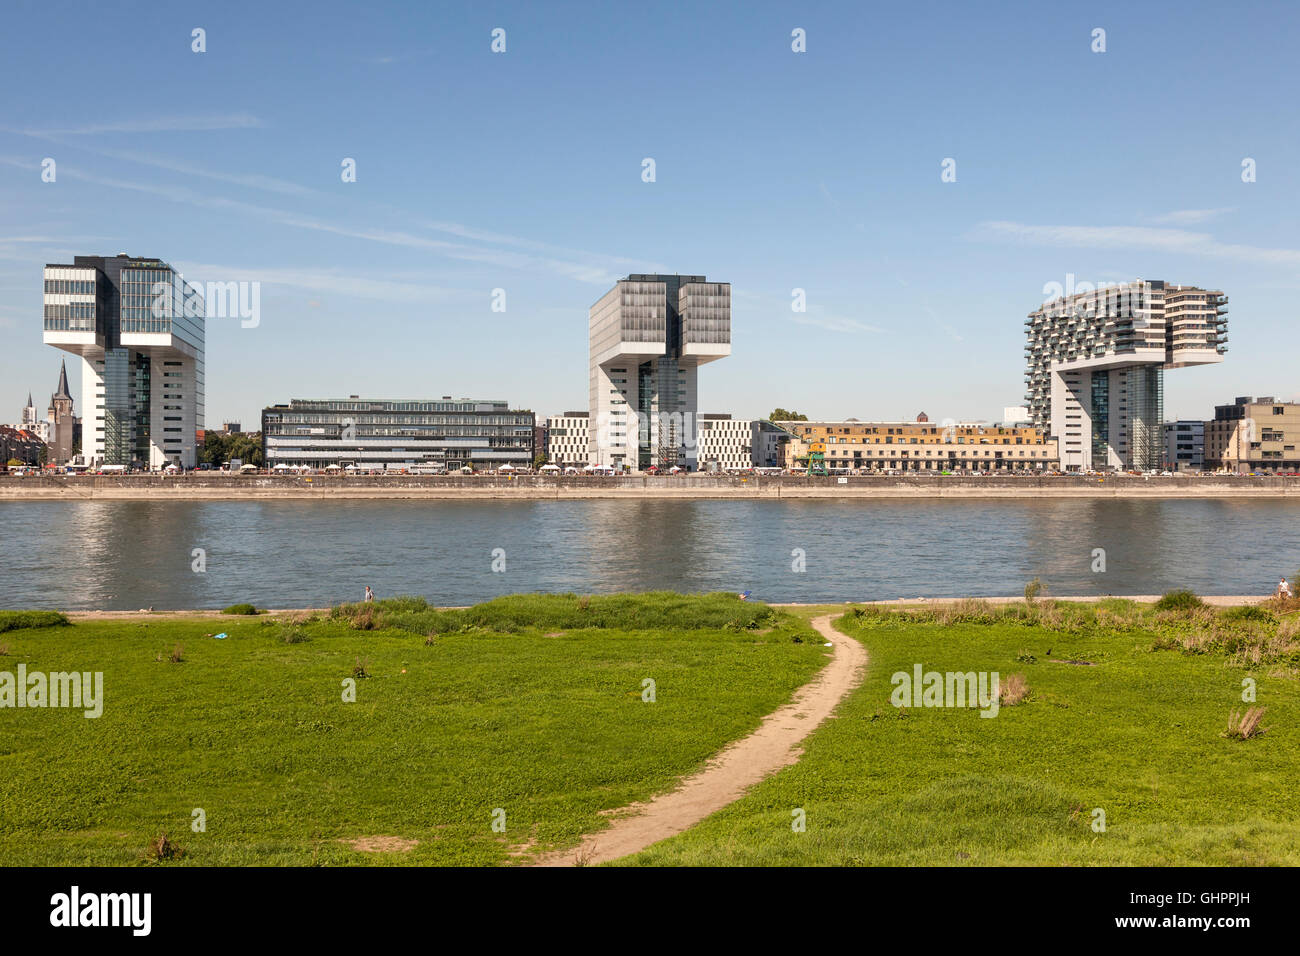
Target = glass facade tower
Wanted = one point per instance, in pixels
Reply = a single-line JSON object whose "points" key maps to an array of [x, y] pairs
{"points": [[648, 337], [138, 328]]}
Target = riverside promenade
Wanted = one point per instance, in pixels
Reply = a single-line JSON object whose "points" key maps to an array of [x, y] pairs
{"points": [[214, 487]]}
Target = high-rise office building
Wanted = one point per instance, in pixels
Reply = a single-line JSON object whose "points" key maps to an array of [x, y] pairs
{"points": [[1095, 367], [648, 337], [138, 328]]}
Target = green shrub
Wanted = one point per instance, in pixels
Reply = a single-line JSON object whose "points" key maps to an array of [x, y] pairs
{"points": [[240, 609], [16, 620], [292, 634], [1249, 612], [560, 612], [1179, 601]]}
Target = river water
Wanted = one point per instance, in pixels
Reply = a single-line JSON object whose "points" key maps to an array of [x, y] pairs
{"points": [[125, 555]]}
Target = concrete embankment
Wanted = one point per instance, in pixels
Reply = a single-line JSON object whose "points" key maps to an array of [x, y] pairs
{"points": [[219, 487]]}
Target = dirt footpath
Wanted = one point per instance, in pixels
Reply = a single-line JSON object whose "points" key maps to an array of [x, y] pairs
{"points": [[743, 763]]}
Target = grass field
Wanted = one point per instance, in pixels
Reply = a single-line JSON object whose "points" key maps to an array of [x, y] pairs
{"points": [[533, 705], [544, 722], [1133, 724]]}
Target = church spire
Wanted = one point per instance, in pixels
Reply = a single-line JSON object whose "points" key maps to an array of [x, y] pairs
{"points": [[63, 383]]}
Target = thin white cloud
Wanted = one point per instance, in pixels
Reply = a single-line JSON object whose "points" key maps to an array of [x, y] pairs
{"points": [[385, 59], [251, 180], [1186, 217], [320, 281], [172, 124], [834, 323], [1178, 241], [52, 240], [573, 264], [481, 235]]}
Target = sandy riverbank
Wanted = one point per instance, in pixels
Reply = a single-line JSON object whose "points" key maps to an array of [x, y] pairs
{"points": [[1217, 600]]}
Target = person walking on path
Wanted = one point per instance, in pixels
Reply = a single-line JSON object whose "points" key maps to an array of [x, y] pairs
{"points": [[1284, 589], [370, 595]]}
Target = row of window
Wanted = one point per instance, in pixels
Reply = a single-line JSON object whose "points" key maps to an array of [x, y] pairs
{"points": [[931, 453], [70, 286]]}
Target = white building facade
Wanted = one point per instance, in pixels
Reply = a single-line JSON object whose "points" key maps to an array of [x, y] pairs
{"points": [[566, 439], [738, 444]]}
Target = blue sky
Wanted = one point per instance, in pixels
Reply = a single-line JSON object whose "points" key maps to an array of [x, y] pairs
{"points": [[775, 170]]}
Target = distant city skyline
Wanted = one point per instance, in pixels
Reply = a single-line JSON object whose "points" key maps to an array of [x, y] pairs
{"points": [[498, 195]]}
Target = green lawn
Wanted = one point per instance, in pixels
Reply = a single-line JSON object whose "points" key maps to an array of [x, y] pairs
{"points": [[1137, 734], [534, 705], [545, 723]]}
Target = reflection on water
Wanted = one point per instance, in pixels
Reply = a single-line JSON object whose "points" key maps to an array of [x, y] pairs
{"points": [[125, 555]]}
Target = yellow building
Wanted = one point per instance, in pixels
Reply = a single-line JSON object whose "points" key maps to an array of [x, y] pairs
{"points": [[853, 446], [1254, 435]]}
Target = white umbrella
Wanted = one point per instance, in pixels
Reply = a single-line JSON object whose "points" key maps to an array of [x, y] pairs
{"points": [[506, 468]]}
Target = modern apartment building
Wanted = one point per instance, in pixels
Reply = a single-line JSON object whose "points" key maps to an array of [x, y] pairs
{"points": [[1254, 435], [855, 446], [648, 336], [138, 329], [1095, 367], [566, 440], [397, 435], [738, 444], [1184, 446]]}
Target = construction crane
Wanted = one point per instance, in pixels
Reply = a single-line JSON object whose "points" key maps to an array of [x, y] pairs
{"points": [[817, 458]]}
